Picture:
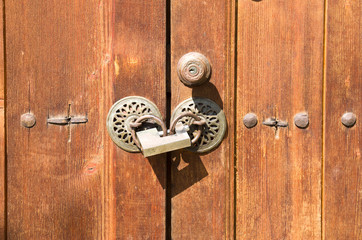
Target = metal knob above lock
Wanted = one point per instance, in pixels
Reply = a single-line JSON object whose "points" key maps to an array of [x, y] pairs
{"points": [[193, 69], [136, 125]]}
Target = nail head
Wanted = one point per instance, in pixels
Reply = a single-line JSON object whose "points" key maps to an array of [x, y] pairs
{"points": [[250, 120], [349, 119], [28, 120], [301, 120]]}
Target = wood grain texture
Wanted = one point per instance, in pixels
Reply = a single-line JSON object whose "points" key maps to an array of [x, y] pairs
{"points": [[2, 130], [57, 62], [201, 185], [342, 195], [72, 182], [2, 172], [140, 69], [280, 63]]}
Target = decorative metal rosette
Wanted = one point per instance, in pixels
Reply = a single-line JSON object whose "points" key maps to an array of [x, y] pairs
{"points": [[122, 113], [215, 128]]}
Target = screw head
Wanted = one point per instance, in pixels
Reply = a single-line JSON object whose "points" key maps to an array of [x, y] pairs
{"points": [[301, 120], [349, 119], [193, 69], [28, 120], [250, 120]]}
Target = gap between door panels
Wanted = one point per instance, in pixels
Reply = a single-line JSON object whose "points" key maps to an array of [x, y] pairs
{"points": [[168, 209]]}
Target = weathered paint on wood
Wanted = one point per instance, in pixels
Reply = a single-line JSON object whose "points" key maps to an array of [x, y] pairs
{"points": [[343, 93], [200, 184], [279, 73]]}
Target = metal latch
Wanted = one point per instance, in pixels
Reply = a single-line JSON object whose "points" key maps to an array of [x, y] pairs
{"points": [[197, 124], [152, 143]]}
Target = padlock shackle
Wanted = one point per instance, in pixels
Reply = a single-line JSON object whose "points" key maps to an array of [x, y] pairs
{"points": [[199, 122], [139, 122]]}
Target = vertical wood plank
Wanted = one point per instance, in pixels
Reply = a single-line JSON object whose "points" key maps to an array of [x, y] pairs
{"points": [[201, 185], [58, 54], [343, 188], [2, 172], [2, 129], [140, 69], [280, 62]]}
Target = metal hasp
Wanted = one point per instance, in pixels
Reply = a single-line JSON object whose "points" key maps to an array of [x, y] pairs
{"points": [[214, 129], [67, 120], [272, 122]]}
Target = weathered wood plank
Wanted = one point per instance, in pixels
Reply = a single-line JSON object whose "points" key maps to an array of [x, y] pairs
{"points": [[2, 130], [280, 62], [140, 69], [2, 172], [57, 60], [202, 184], [342, 195]]}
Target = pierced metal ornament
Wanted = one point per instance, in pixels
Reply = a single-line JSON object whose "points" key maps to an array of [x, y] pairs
{"points": [[215, 128], [124, 112]]}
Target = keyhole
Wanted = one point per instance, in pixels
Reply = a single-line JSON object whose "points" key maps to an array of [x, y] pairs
{"points": [[193, 70]]}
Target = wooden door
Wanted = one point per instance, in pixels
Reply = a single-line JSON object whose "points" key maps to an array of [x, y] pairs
{"points": [[69, 60]]}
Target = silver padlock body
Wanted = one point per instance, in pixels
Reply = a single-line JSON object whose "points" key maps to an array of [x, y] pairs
{"points": [[152, 144]]}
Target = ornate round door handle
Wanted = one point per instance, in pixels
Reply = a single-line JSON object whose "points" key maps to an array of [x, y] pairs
{"points": [[122, 114], [213, 131], [193, 69]]}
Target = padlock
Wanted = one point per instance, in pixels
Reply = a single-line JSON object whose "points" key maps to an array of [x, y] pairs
{"points": [[152, 143]]}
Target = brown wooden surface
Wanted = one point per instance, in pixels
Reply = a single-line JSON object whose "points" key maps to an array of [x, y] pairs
{"points": [[201, 186], [75, 183], [2, 131], [55, 173], [280, 63], [2, 172], [140, 69], [343, 188]]}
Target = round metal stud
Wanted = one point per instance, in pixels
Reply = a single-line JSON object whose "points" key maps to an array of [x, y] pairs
{"points": [[250, 120], [124, 112], [213, 131], [349, 119], [193, 69], [28, 120], [301, 120]]}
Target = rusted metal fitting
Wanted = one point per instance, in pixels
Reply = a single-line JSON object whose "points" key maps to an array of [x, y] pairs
{"points": [[198, 121], [273, 122], [193, 69], [349, 119], [143, 119], [301, 120], [250, 120], [28, 120]]}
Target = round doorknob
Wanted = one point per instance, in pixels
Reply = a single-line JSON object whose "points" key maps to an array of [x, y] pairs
{"points": [[193, 69]]}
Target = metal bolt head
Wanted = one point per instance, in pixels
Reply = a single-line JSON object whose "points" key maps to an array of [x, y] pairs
{"points": [[193, 69], [28, 120], [301, 120], [250, 120], [349, 119]]}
